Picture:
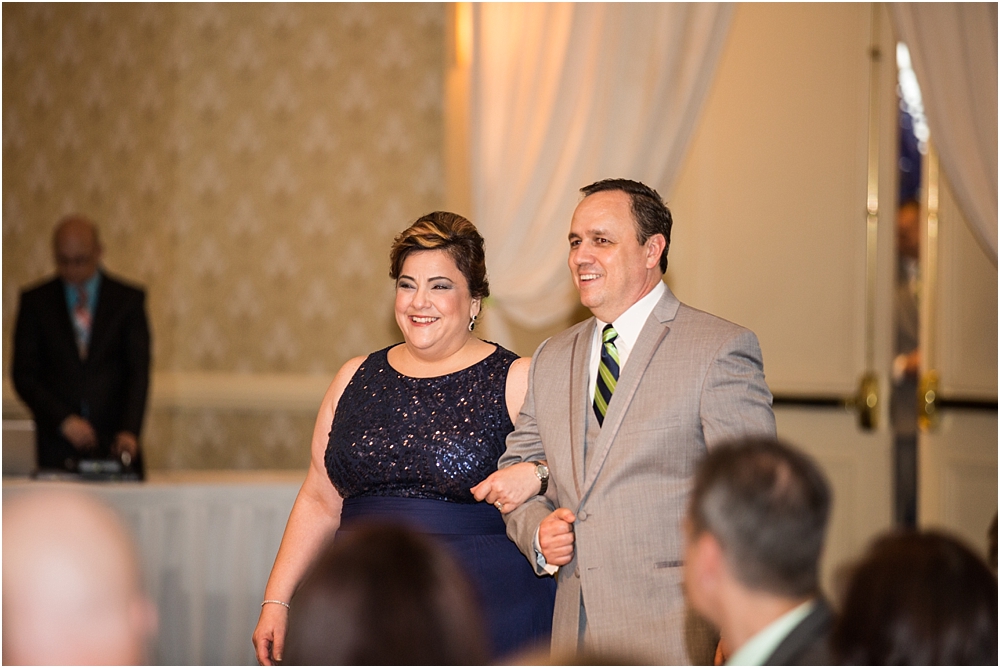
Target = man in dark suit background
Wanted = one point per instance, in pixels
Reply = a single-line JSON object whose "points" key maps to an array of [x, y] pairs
{"points": [[755, 531], [81, 356]]}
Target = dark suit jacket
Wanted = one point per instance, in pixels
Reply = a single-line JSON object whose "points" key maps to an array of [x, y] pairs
{"points": [[808, 643], [108, 388]]}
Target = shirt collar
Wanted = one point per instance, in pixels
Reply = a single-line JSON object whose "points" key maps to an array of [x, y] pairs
{"points": [[89, 286], [761, 646], [630, 323]]}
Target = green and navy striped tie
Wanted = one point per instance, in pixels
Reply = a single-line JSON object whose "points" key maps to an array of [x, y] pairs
{"points": [[607, 373]]}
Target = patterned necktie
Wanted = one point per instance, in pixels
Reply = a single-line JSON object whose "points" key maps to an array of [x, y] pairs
{"points": [[607, 373], [81, 320]]}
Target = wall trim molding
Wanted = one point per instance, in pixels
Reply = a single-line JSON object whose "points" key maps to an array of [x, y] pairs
{"points": [[258, 392]]}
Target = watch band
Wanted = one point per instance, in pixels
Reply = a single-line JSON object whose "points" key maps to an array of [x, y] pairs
{"points": [[544, 478]]}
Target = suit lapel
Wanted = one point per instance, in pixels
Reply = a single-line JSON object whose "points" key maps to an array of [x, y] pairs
{"points": [[652, 335], [102, 315], [579, 400], [60, 316]]}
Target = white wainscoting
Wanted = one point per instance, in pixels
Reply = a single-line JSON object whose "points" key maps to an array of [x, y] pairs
{"points": [[243, 391]]}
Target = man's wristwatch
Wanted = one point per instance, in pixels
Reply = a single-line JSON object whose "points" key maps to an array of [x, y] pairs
{"points": [[542, 471]]}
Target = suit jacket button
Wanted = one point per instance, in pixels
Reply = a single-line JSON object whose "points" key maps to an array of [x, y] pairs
{"points": [[576, 573], [582, 516]]}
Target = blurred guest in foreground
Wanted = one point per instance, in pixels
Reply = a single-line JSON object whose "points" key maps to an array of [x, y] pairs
{"points": [[71, 584], [755, 531], [404, 433], [385, 595], [81, 356], [918, 599]]}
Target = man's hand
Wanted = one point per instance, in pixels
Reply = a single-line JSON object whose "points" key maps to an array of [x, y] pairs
{"points": [[79, 432], [555, 537], [125, 441]]}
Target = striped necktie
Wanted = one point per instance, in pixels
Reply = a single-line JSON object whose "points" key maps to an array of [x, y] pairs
{"points": [[82, 322], [607, 373]]}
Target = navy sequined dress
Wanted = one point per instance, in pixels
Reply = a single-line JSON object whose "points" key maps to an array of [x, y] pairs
{"points": [[407, 450]]}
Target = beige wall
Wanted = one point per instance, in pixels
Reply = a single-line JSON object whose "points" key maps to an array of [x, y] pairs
{"points": [[250, 165]]}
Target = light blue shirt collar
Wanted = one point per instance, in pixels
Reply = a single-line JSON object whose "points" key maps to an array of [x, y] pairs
{"points": [[91, 287], [759, 648]]}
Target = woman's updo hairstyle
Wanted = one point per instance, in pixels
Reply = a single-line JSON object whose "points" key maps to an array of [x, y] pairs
{"points": [[450, 232]]}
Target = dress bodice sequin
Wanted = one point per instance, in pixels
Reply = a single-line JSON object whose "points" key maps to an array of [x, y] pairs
{"points": [[430, 438]]}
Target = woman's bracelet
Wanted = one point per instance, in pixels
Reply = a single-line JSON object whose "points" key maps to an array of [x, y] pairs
{"points": [[272, 600]]}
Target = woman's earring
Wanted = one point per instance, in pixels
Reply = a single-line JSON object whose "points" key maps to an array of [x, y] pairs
{"points": [[472, 323]]}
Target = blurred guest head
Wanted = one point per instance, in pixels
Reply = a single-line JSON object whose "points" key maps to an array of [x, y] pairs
{"points": [[766, 505], [384, 595], [918, 599], [908, 229], [77, 249], [71, 584], [755, 532]]}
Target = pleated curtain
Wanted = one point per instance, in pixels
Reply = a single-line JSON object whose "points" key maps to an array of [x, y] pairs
{"points": [[563, 95], [954, 52]]}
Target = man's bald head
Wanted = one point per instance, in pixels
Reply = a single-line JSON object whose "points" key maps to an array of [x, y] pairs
{"points": [[76, 246], [71, 584]]}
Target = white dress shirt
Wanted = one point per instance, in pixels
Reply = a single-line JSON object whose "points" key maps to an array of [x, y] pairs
{"points": [[628, 325]]}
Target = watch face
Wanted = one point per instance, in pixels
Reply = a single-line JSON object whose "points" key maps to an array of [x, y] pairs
{"points": [[542, 471]]}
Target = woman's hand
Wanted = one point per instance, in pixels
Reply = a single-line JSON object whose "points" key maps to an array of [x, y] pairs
{"points": [[269, 636], [511, 486], [314, 519]]}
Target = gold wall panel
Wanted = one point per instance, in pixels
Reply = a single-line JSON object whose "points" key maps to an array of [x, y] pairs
{"points": [[249, 164]]}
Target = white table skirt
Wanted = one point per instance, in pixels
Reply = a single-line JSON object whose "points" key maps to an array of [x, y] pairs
{"points": [[207, 541]]}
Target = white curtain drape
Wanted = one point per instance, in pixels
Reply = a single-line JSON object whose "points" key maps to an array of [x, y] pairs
{"points": [[954, 53], [563, 95]]}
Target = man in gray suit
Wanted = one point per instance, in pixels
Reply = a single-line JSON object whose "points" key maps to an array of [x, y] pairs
{"points": [[755, 533], [623, 406]]}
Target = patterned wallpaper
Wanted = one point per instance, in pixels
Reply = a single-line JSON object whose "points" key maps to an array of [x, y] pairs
{"points": [[249, 164]]}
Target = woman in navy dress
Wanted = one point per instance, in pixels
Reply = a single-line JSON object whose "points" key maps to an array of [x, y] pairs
{"points": [[404, 433]]}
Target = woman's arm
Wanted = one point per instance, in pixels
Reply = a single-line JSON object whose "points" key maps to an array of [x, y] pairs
{"points": [[313, 521], [517, 483], [517, 386]]}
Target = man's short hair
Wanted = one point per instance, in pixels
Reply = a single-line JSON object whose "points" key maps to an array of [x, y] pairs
{"points": [[767, 504], [650, 214]]}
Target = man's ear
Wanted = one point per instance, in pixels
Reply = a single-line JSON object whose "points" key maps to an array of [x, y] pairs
{"points": [[711, 563], [702, 582], [713, 551], [654, 249]]}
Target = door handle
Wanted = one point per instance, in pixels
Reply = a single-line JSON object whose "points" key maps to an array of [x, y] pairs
{"points": [[927, 401], [865, 401]]}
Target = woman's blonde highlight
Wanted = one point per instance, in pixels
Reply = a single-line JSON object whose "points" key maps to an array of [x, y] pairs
{"points": [[455, 234]]}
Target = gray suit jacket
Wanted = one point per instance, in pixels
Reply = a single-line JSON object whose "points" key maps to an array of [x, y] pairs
{"points": [[692, 381]]}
